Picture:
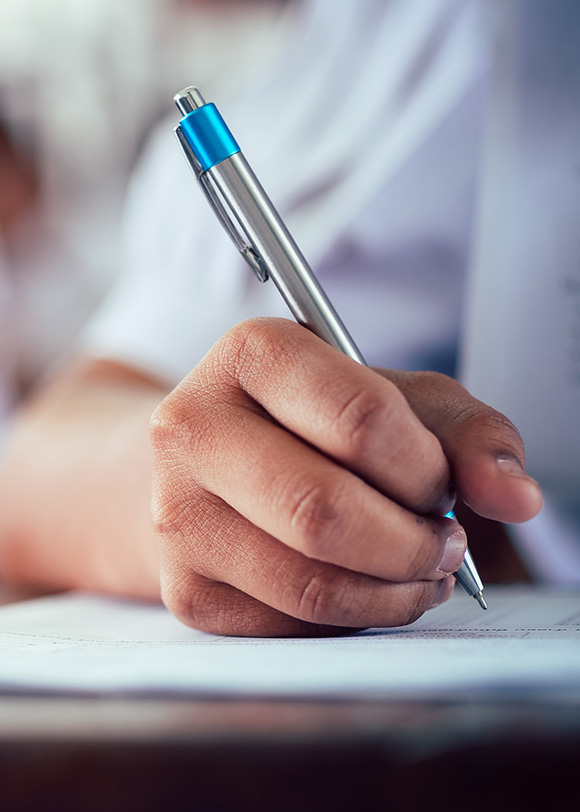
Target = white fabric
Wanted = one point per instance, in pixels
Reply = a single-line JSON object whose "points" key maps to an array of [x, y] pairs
{"points": [[521, 351], [365, 134]]}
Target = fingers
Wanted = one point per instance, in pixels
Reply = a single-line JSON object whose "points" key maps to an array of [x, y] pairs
{"points": [[484, 448], [289, 490], [344, 409], [291, 487], [295, 495], [257, 587], [218, 608], [322, 510]]}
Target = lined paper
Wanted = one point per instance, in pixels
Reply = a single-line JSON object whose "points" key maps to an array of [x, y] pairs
{"points": [[527, 642]]}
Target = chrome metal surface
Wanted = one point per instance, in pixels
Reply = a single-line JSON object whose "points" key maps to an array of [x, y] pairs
{"points": [[188, 152], [226, 217], [468, 577], [221, 209], [236, 183], [188, 100]]}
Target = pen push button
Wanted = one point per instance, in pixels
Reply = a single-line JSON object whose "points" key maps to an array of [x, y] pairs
{"points": [[208, 136], [206, 142]]}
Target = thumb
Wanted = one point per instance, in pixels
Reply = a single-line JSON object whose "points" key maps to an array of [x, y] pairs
{"points": [[484, 448]]}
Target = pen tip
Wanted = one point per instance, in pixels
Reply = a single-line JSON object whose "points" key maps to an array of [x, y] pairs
{"points": [[481, 600]]}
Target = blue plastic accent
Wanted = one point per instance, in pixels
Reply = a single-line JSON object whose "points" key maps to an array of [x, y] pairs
{"points": [[208, 136]]}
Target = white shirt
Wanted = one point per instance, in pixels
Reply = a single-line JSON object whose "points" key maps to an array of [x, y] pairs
{"points": [[365, 134], [521, 348]]}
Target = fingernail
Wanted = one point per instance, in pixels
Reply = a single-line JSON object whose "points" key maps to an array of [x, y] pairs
{"points": [[510, 466], [454, 551], [444, 591]]}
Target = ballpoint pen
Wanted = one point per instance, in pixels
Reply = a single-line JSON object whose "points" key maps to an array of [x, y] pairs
{"points": [[254, 225]]}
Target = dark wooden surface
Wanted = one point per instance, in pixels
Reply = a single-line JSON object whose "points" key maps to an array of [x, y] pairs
{"points": [[63, 753]]}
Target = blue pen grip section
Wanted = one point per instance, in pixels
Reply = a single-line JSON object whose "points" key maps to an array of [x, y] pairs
{"points": [[208, 136]]}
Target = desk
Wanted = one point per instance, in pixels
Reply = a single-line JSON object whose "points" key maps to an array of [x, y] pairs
{"points": [[63, 754]]}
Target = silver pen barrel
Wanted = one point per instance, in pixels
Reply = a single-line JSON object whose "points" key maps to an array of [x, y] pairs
{"points": [[284, 261]]}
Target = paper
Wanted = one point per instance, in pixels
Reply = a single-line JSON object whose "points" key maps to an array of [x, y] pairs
{"points": [[528, 642]]}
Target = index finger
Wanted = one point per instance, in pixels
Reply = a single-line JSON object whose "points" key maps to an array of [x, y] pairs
{"points": [[347, 411]]}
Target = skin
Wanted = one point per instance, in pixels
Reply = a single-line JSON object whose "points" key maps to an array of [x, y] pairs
{"points": [[294, 492]]}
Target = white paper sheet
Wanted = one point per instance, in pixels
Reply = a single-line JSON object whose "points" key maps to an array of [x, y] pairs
{"points": [[528, 642]]}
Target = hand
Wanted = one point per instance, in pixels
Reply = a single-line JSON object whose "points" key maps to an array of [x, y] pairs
{"points": [[297, 492]]}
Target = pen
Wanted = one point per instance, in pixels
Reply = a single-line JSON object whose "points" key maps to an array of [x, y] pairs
{"points": [[254, 225]]}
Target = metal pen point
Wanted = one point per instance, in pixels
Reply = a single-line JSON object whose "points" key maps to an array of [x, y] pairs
{"points": [[468, 577], [258, 232]]}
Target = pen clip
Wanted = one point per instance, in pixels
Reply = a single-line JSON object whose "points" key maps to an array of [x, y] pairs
{"points": [[245, 248]]}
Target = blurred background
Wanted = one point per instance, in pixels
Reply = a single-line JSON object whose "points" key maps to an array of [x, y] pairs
{"points": [[82, 82]]}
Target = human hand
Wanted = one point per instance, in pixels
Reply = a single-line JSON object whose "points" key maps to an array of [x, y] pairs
{"points": [[297, 492]]}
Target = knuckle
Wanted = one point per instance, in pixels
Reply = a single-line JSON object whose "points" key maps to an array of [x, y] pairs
{"points": [[188, 600], [175, 594], [175, 420], [185, 513], [183, 431], [204, 609], [162, 425], [316, 518], [256, 344], [361, 416], [464, 410], [327, 598], [170, 516], [214, 607], [485, 422]]}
